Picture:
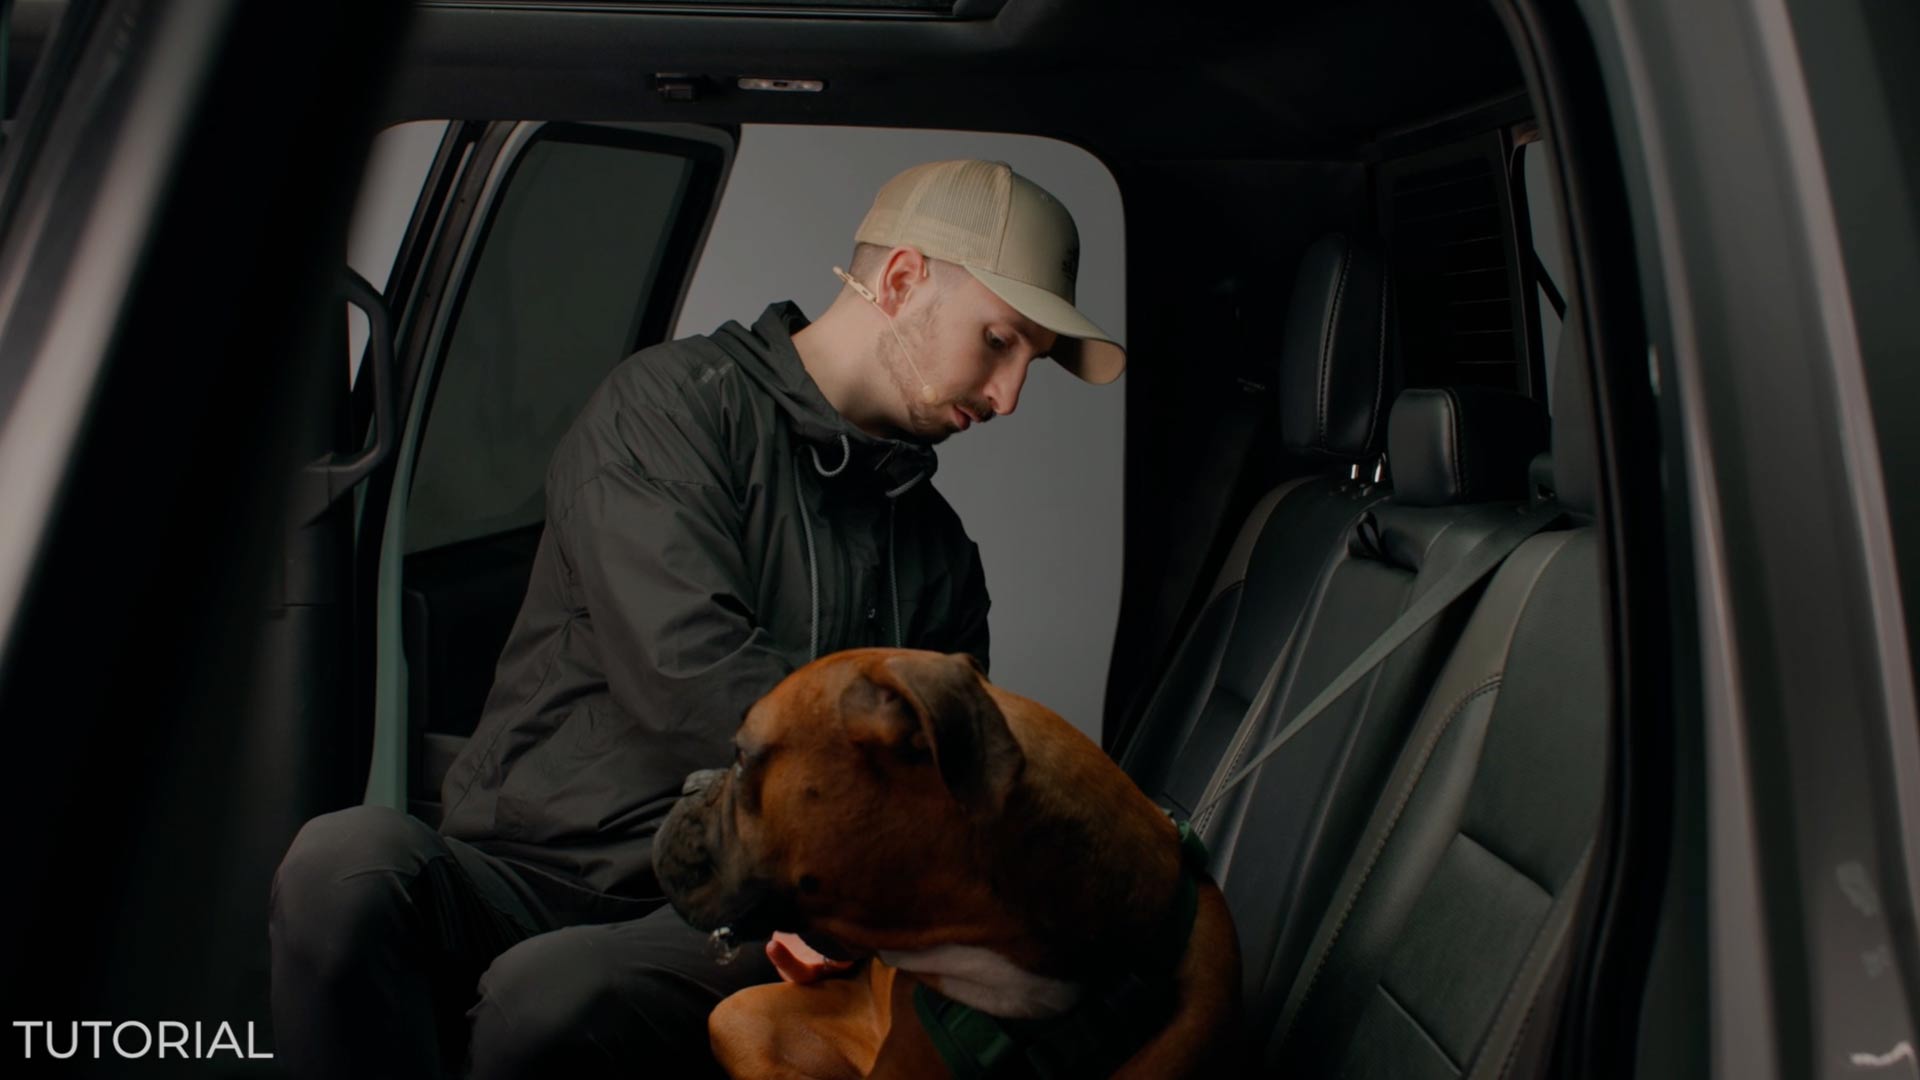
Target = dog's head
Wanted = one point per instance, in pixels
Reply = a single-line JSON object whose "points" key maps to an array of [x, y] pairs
{"points": [[857, 804]]}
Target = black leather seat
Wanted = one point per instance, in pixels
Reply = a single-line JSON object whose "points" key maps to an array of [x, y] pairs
{"points": [[1280, 840], [1435, 955], [1336, 377]]}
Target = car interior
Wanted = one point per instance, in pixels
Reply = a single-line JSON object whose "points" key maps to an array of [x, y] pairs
{"points": [[1331, 220], [1356, 367]]}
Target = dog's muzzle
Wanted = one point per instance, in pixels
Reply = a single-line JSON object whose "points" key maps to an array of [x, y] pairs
{"points": [[684, 855], [698, 783], [701, 867]]}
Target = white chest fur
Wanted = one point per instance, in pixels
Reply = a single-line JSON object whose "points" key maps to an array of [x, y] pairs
{"points": [[987, 981]]}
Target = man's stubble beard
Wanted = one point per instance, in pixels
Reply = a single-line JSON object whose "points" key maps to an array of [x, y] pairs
{"points": [[926, 423]]}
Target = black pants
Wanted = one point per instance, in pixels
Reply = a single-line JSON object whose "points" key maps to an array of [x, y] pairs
{"points": [[400, 952]]}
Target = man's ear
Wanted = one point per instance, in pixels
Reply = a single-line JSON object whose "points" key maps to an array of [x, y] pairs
{"points": [[904, 270], [939, 705]]}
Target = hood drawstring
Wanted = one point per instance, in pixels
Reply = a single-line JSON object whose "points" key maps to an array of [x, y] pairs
{"points": [[893, 580], [846, 455], [813, 569], [806, 527], [813, 563]]}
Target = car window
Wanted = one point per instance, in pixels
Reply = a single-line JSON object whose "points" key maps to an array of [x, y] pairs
{"points": [[396, 170], [1456, 279], [563, 277]]}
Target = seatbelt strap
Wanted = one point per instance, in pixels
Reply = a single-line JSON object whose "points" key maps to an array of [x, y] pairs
{"points": [[1545, 281], [1471, 570], [1249, 725]]}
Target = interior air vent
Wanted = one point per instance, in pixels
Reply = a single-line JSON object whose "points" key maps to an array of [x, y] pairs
{"points": [[1454, 273]]}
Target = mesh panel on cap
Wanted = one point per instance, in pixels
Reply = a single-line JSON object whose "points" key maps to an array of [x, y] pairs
{"points": [[954, 211]]}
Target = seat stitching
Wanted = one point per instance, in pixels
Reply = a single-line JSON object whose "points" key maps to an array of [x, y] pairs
{"points": [[1540, 937], [1393, 822], [1239, 748], [1519, 1036], [1513, 988], [1379, 363], [1426, 553], [1326, 343], [1427, 1033], [1244, 736], [1453, 438], [1505, 861]]}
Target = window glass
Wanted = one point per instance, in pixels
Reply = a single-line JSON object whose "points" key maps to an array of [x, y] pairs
{"points": [[554, 301], [396, 170], [1457, 283]]}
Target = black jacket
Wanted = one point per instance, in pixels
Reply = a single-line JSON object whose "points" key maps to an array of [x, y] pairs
{"points": [[712, 524]]}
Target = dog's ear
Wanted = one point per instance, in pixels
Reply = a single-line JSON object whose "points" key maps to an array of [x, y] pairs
{"points": [[939, 705]]}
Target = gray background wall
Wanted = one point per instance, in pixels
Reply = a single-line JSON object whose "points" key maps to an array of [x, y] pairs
{"points": [[396, 170], [1040, 491]]}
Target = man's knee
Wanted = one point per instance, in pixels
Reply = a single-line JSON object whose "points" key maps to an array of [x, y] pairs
{"points": [[537, 1004], [342, 879], [562, 1000]]}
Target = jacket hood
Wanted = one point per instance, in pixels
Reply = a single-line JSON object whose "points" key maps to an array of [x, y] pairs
{"points": [[765, 353]]}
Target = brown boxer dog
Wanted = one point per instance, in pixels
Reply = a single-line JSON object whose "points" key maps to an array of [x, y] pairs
{"points": [[958, 836]]}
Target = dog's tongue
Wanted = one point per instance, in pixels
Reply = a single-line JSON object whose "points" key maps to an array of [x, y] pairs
{"points": [[827, 947], [798, 961]]}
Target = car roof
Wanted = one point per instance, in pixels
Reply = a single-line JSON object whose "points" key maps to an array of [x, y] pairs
{"points": [[1304, 79]]}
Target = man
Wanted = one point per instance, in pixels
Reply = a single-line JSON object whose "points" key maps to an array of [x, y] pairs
{"points": [[725, 509]]}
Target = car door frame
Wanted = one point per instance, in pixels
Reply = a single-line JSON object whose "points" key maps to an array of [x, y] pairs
{"points": [[435, 265]]}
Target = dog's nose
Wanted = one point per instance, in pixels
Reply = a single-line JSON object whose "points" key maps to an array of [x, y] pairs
{"points": [[698, 782]]}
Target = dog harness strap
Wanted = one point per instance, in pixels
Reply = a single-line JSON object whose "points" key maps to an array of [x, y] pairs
{"points": [[1092, 1038], [973, 1044], [1186, 903]]}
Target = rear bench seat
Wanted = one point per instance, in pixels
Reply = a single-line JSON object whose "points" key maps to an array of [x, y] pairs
{"points": [[1279, 841], [1402, 883], [1436, 954]]}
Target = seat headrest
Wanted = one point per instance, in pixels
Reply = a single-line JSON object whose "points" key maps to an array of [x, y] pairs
{"points": [[1336, 365], [1463, 444], [1575, 453]]}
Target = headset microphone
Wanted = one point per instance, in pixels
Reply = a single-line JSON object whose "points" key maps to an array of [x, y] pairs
{"points": [[927, 393]]}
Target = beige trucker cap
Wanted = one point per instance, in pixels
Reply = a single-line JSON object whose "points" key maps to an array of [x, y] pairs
{"points": [[1011, 235]]}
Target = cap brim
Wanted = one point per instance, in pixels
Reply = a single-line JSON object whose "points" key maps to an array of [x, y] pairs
{"points": [[1085, 349]]}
